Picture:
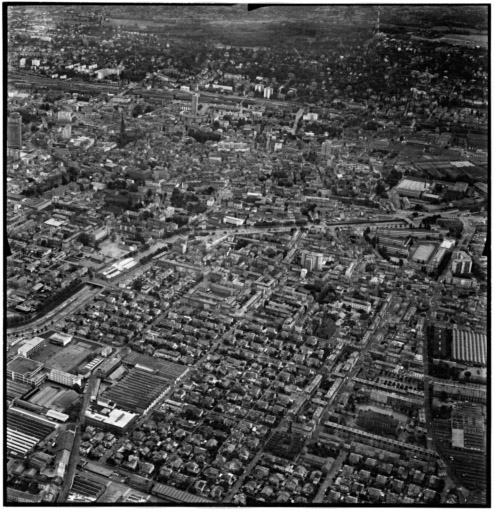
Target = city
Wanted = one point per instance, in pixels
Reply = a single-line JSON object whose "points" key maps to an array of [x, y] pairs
{"points": [[247, 255]]}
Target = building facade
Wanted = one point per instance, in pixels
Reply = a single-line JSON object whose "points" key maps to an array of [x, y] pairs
{"points": [[14, 131]]}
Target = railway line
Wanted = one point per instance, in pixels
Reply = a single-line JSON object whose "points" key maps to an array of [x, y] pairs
{"points": [[26, 80]]}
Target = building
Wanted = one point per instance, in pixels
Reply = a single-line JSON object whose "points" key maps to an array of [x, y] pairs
{"points": [[423, 253], [439, 342], [326, 148], [437, 258], [412, 188], [60, 339], [25, 429], [67, 132], [228, 219], [461, 263], [108, 366], [25, 370], [64, 116], [357, 304], [461, 392], [65, 378], [31, 347], [469, 347], [377, 422], [14, 131], [99, 234], [106, 418], [311, 260], [268, 92], [138, 391], [468, 427], [194, 105], [88, 368], [17, 496]]}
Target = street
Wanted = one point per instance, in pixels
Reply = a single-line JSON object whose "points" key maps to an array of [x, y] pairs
{"points": [[320, 495]]}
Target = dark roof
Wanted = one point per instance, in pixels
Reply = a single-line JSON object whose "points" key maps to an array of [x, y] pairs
{"points": [[166, 491], [23, 365]]}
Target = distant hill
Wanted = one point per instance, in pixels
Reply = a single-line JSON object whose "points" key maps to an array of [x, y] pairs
{"points": [[449, 15]]}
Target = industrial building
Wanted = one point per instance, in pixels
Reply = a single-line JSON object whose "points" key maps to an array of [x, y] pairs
{"points": [[423, 253], [112, 419], [412, 188], [469, 347], [25, 430], [138, 391]]}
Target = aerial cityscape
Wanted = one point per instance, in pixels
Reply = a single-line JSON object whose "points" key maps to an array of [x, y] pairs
{"points": [[246, 254]]}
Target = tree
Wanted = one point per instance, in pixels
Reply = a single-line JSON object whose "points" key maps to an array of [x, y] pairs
{"points": [[85, 239], [137, 285], [380, 189]]}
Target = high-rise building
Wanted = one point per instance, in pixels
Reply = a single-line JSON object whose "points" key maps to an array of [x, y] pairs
{"points": [[14, 131], [194, 106], [123, 139], [67, 131], [461, 263], [326, 148], [311, 260]]}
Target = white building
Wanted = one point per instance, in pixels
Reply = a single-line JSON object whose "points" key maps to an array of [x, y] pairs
{"points": [[461, 263], [64, 378], [233, 220], [268, 93], [60, 339], [31, 347]]}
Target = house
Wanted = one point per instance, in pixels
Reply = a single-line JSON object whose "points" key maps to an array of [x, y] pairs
{"points": [[267, 492], [192, 468], [200, 486], [217, 492]]}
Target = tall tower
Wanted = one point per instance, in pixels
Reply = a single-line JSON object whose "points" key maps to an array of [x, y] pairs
{"points": [[14, 131], [122, 129], [67, 131], [194, 105], [377, 28]]}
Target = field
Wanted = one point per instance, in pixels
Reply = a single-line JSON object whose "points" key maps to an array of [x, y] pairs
{"points": [[470, 40], [65, 358], [112, 249]]}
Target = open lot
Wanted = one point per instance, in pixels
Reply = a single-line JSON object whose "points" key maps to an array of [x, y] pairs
{"points": [[471, 39], [112, 249], [63, 358]]}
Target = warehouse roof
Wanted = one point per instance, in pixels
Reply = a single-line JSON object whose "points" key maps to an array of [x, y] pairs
{"points": [[407, 184], [423, 253], [176, 495]]}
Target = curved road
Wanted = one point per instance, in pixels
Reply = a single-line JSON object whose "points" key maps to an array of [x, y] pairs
{"points": [[66, 308]]}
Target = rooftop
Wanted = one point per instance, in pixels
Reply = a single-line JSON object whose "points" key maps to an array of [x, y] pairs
{"points": [[423, 253], [407, 184], [23, 365]]}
